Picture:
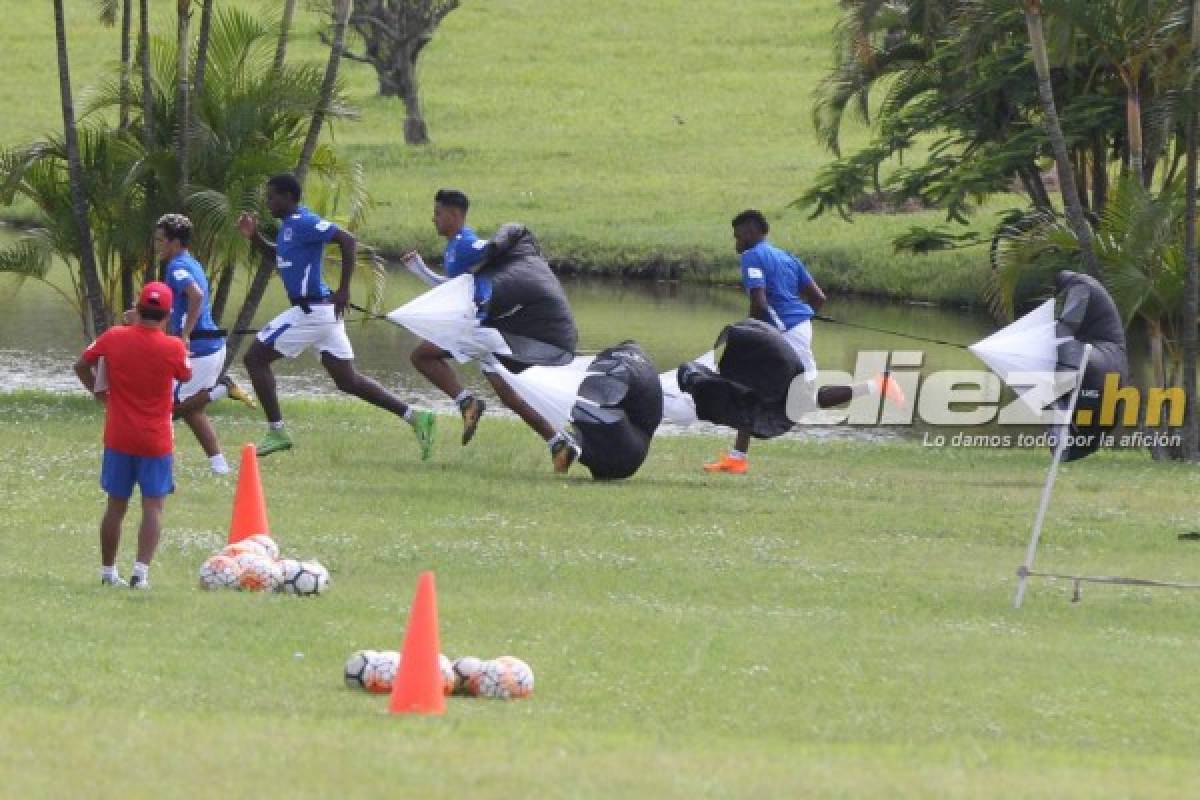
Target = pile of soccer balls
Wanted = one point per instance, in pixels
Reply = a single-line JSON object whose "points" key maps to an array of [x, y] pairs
{"points": [[254, 565], [505, 677]]}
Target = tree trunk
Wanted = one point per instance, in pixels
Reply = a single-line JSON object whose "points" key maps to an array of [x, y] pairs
{"points": [[1133, 122], [341, 15], [1035, 187], [285, 27], [221, 296], [183, 48], [126, 64], [1066, 177], [1099, 174], [399, 79], [87, 255], [254, 296], [1159, 378], [202, 53], [128, 270], [1191, 429], [148, 132]]}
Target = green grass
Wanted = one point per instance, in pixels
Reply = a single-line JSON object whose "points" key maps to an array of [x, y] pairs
{"points": [[625, 133], [835, 624]]}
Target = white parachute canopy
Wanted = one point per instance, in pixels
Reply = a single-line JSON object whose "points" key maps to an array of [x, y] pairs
{"points": [[1025, 353], [678, 405], [552, 391], [445, 315]]}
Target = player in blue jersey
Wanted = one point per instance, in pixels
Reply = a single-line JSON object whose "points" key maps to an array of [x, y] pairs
{"points": [[191, 320], [463, 251], [784, 295], [315, 318]]}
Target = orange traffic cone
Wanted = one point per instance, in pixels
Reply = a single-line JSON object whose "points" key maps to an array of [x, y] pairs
{"points": [[418, 685], [249, 508]]}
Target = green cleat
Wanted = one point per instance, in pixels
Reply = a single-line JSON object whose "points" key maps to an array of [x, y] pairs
{"points": [[423, 424], [275, 441]]}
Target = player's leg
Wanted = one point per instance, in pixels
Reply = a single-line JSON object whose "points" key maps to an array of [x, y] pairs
{"points": [[206, 435], [117, 478], [258, 362], [193, 395], [735, 461], [155, 478], [563, 447], [433, 362]]}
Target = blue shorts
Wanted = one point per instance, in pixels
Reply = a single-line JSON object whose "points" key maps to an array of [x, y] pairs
{"points": [[152, 474]]}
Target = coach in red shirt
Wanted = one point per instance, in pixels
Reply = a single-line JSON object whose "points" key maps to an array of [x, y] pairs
{"points": [[141, 364]]}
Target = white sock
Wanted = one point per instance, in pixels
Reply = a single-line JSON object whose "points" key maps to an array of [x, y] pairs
{"points": [[462, 396], [218, 392], [109, 573], [275, 426], [408, 415], [737, 455], [141, 571], [218, 464]]}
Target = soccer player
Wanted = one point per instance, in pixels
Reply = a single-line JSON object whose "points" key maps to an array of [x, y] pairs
{"points": [[191, 320], [141, 366], [463, 251], [784, 295], [315, 318]]}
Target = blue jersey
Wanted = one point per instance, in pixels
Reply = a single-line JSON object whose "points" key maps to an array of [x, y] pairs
{"points": [[462, 252], [182, 271], [782, 275], [300, 252]]}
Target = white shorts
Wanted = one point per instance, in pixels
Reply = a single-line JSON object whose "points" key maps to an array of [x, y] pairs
{"points": [[293, 332], [800, 338], [205, 371]]}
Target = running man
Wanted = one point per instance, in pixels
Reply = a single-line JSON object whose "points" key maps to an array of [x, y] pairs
{"points": [[463, 251], [315, 318], [191, 321], [784, 295], [141, 365]]}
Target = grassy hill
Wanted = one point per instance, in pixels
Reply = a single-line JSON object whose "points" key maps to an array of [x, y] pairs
{"points": [[623, 132]]}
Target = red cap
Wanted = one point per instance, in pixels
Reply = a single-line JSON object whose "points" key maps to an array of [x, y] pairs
{"points": [[156, 295]]}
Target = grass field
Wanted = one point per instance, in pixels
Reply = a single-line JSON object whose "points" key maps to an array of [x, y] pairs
{"points": [[835, 624], [623, 132]]}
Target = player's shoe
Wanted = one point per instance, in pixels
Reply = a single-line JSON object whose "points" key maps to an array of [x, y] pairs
{"points": [[119, 582], [564, 452], [238, 393], [275, 441], [139, 583], [472, 409], [727, 463], [423, 425], [890, 389]]}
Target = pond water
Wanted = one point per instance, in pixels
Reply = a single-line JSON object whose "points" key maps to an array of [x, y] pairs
{"points": [[674, 322]]}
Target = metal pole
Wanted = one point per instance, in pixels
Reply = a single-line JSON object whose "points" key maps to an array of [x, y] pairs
{"points": [[1048, 488]]}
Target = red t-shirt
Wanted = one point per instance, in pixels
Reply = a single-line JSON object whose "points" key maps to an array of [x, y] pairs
{"points": [[142, 365]]}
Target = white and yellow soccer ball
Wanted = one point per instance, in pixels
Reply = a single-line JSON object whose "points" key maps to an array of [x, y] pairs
{"points": [[258, 573], [466, 675], [305, 578], [381, 671], [219, 572], [354, 673], [270, 549], [243, 547], [505, 677]]}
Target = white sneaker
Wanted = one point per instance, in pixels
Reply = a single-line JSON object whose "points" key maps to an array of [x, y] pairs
{"points": [[117, 581], [222, 469], [138, 583]]}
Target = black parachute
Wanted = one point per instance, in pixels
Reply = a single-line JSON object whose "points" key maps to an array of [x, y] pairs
{"points": [[620, 408], [524, 301], [750, 387], [1087, 314]]}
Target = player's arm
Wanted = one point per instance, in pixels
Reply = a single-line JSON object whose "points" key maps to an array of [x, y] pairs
{"points": [[349, 247], [195, 297], [758, 304], [247, 225], [755, 284], [812, 294], [416, 265], [84, 367]]}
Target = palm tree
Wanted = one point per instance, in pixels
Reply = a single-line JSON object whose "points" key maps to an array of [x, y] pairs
{"points": [[1191, 431], [87, 262], [285, 28], [1066, 175], [183, 49]]}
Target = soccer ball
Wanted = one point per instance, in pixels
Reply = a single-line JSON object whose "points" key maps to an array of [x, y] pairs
{"points": [[466, 675], [356, 668], [303, 577], [219, 572], [505, 677], [241, 548], [270, 549], [258, 573], [381, 671], [449, 681]]}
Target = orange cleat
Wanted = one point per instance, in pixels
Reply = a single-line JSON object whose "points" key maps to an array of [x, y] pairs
{"points": [[891, 390], [727, 463]]}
